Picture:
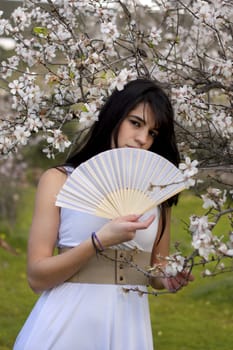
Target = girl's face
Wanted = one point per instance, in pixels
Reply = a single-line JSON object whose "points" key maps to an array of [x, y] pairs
{"points": [[138, 129]]}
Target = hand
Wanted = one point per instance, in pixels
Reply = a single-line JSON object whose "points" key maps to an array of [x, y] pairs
{"points": [[175, 283], [122, 229]]}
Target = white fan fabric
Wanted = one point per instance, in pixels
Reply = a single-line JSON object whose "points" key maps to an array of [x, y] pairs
{"points": [[119, 182]]}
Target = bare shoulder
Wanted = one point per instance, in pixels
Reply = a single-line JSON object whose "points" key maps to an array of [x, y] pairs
{"points": [[54, 175], [52, 180]]}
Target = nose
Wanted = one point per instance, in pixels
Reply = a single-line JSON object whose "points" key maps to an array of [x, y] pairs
{"points": [[142, 137]]}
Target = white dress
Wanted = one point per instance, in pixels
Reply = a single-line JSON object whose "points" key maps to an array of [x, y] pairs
{"points": [[80, 316]]}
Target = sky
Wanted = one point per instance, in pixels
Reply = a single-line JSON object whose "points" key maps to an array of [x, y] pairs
{"points": [[149, 3], [146, 2], [8, 44]]}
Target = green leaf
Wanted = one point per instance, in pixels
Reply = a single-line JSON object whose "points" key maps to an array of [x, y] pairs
{"points": [[71, 75], [41, 31], [79, 107]]}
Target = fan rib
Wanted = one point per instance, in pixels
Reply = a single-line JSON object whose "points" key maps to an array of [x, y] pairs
{"points": [[92, 194], [120, 182], [100, 183], [112, 179], [84, 197], [132, 183]]}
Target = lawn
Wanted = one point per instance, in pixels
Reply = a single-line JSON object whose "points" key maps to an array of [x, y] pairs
{"points": [[200, 317]]}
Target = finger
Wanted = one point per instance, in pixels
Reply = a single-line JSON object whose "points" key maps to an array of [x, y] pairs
{"points": [[176, 284], [181, 282], [191, 277], [187, 275], [149, 220], [130, 217], [183, 278], [140, 225], [169, 284]]}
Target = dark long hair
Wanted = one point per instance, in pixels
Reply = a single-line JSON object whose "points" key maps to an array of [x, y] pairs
{"points": [[114, 111]]}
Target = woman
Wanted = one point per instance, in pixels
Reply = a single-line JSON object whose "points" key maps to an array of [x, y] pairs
{"points": [[83, 310]]}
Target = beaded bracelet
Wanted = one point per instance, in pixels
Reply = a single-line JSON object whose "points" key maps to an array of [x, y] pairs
{"points": [[98, 248]]}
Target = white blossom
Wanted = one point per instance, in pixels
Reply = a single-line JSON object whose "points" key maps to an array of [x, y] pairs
{"points": [[110, 32], [16, 87], [175, 264], [88, 116], [20, 17], [5, 27], [223, 122], [33, 123], [207, 272], [155, 36], [122, 79], [202, 238], [213, 198], [21, 134], [58, 140], [229, 252], [189, 169]]}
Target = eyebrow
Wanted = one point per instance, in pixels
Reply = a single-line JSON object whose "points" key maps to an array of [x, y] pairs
{"points": [[137, 117]]}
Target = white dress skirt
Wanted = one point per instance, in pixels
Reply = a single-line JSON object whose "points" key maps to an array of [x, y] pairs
{"points": [[81, 316]]}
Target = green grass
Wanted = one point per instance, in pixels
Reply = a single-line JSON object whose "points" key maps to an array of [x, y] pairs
{"points": [[200, 317], [24, 215], [16, 297]]}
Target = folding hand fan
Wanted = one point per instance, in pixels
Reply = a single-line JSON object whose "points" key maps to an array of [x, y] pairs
{"points": [[119, 182]]}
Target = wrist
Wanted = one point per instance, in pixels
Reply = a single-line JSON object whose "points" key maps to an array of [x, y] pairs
{"points": [[104, 238], [156, 282], [96, 242]]}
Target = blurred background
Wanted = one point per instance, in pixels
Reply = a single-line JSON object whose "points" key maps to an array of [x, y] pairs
{"points": [[199, 317]]}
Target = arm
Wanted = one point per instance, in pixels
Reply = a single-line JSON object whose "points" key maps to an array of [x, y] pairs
{"points": [[46, 270], [161, 249]]}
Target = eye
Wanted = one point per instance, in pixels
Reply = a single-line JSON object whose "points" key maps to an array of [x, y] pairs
{"points": [[153, 133], [135, 123]]}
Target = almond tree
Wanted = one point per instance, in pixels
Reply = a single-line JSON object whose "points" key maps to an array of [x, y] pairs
{"points": [[69, 55]]}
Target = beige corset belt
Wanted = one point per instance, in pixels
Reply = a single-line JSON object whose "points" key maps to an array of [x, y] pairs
{"points": [[114, 267]]}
